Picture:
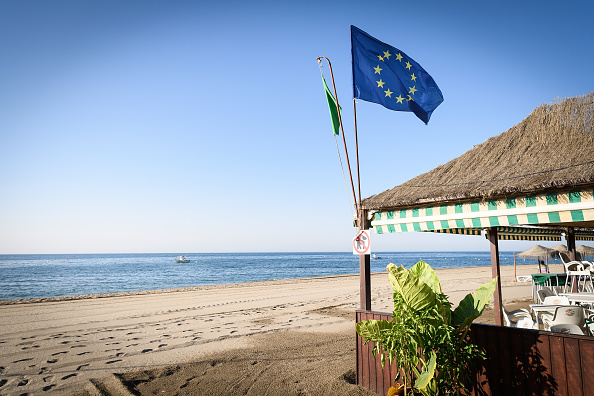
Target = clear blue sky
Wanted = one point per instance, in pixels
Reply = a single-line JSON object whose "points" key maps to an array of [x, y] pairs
{"points": [[187, 126]]}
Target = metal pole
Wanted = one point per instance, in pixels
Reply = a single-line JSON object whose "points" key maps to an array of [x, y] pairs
{"points": [[341, 127]]}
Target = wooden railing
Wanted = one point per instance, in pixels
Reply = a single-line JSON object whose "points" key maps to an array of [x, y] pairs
{"points": [[519, 362]]}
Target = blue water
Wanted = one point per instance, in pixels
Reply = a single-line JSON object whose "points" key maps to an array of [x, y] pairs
{"points": [[37, 275]]}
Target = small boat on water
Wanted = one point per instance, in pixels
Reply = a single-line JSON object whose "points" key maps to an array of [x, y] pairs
{"points": [[374, 257], [182, 259]]}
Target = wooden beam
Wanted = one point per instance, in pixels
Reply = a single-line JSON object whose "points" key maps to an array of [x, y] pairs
{"points": [[364, 268], [494, 242], [570, 237]]}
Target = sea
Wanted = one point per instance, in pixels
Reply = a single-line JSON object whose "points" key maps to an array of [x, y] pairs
{"points": [[24, 276]]}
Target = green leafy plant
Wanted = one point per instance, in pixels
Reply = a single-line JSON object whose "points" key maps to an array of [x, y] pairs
{"points": [[425, 336]]}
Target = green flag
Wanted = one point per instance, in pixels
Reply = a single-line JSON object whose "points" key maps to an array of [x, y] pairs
{"points": [[332, 107]]}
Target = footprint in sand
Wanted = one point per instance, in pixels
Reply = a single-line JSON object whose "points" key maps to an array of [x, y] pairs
{"points": [[68, 376], [59, 353], [23, 360], [113, 361], [3, 382], [146, 350], [49, 387], [52, 360], [82, 366], [29, 347], [82, 353], [23, 382]]}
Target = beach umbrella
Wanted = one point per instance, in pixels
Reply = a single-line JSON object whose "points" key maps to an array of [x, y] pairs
{"points": [[585, 250], [559, 249], [538, 251]]}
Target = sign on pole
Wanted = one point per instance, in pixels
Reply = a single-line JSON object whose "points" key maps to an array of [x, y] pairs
{"points": [[361, 243]]}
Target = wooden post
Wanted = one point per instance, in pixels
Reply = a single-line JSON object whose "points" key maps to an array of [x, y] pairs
{"points": [[570, 237], [364, 267], [495, 273]]}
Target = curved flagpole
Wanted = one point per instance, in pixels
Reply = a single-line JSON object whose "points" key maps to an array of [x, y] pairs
{"points": [[342, 131], [357, 158]]}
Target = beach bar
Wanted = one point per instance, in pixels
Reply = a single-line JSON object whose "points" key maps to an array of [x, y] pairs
{"points": [[532, 182]]}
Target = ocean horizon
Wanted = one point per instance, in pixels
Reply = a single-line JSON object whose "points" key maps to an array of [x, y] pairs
{"points": [[24, 276]]}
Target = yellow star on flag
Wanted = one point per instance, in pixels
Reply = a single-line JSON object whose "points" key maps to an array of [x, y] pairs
{"points": [[387, 54], [380, 58], [399, 98], [377, 70], [380, 83], [412, 90], [409, 98], [399, 57], [388, 92], [408, 65], [413, 77]]}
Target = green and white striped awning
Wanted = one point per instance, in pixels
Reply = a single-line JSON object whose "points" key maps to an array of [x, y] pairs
{"points": [[508, 214], [513, 233]]}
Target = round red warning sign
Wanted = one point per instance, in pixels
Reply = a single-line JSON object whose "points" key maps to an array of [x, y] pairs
{"points": [[361, 243]]}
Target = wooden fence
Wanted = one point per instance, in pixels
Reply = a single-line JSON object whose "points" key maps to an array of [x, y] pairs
{"points": [[519, 362]]}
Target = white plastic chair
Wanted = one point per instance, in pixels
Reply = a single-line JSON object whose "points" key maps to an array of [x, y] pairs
{"points": [[576, 274], [566, 315], [521, 317], [564, 258], [567, 329], [524, 278], [555, 300], [544, 293]]}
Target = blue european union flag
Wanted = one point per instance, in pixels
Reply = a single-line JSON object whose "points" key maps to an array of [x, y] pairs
{"points": [[385, 75]]}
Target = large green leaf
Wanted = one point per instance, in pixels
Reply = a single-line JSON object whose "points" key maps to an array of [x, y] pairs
{"points": [[472, 306], [427, 373], [415, 293], [427, 275], [371, 330]]}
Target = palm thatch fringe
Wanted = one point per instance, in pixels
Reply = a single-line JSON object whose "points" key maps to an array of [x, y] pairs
{"points": [[552, 149]]}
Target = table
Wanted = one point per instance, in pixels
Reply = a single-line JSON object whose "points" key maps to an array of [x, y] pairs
{"points": [[576, 298], [541, 280], [549, 279]]}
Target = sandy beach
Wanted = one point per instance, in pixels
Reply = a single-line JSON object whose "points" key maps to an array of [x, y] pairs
{"points": [[264, 338]]}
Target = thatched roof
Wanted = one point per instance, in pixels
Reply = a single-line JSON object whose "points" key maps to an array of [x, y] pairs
{"points": [[536, 251], [552, 149]]}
